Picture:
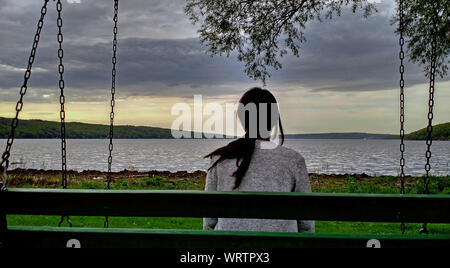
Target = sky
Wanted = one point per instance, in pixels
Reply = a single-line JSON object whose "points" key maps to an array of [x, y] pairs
{"points": [[346, 79]]}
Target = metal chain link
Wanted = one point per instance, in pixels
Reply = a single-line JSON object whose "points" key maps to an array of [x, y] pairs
{"points": [[428, 154], [113, 98], [23, 90], [402, 104]]}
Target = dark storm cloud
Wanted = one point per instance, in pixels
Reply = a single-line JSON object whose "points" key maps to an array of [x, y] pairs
{"points": [[159, 54], [350, 53], [146, 67]]}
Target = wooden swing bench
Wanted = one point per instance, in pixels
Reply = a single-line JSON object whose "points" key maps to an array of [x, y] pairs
{"points": [[193, 204], [319, 207]]}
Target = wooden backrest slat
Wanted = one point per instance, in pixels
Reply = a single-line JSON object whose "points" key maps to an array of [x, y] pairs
{"points": [[326, 207]]}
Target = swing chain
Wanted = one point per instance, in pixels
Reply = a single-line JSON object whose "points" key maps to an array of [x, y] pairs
{"points": [[113, 100], [431, 101], [402, 97], [113, 92], [23, 90], [62, 101], [402, 104], [62, 98], [427, 180]]}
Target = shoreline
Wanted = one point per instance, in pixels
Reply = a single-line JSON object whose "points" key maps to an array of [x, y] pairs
{"points": [[198, 174], [183, 180]]}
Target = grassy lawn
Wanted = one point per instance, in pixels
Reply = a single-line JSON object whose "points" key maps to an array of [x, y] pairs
{"points": [[385, 185]]}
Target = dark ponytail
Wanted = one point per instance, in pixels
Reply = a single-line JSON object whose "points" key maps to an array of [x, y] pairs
{"points": [[242, 149]]}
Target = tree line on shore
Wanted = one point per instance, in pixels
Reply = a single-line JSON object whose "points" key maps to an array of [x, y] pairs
{"points": [[39, 129]]}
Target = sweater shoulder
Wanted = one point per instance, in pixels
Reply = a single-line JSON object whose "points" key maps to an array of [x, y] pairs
{"points": [[290, 153], [284, 154]]}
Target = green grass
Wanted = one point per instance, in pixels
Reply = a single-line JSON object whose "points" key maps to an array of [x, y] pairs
{"points": [[382, 185], [114, 222], [196, 224], [385, 185]]}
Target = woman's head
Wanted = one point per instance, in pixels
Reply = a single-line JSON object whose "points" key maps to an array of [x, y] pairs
{"points": [[259, 114]]}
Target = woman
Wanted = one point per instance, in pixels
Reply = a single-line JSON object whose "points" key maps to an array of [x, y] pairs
{"points": [[254, 163]]}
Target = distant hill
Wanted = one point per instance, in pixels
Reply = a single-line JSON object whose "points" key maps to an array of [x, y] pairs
{"points": [[39, 129], [440, 132]]}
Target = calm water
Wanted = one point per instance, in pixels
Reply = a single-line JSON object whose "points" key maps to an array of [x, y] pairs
{"points": [[323, 156]]}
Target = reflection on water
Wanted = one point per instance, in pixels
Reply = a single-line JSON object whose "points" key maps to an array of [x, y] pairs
{"points": [[380, 157]]}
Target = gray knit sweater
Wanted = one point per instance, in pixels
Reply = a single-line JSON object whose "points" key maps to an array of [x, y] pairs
{"points": [[271, 170]]}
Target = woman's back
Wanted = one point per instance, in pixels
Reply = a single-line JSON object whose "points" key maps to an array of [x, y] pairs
{"points": [[271, 170]]}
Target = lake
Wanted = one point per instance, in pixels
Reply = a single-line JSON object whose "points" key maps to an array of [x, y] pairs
{"points": [[373, 157]]}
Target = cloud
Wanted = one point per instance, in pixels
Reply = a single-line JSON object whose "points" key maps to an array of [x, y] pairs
{"points": [[160, 54], [146, 67], [350, 53]]}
